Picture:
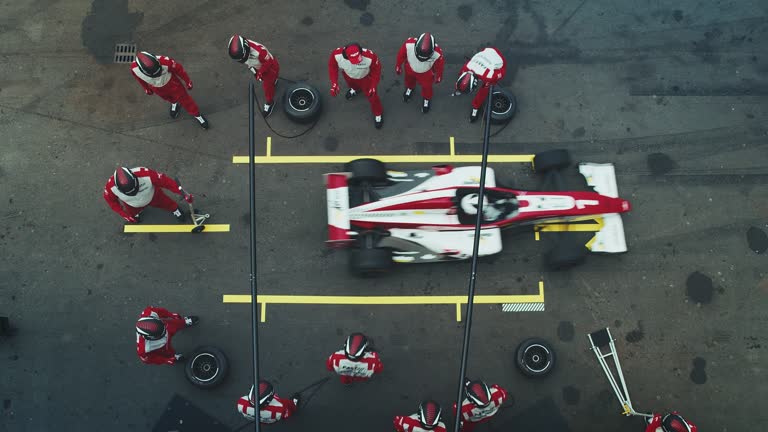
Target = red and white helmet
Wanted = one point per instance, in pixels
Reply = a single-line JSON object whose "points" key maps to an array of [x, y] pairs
{"points": [[151, 328], [467, 83], [424, 46], [266, 394], [478, 392], [355, 346], [148, 64], [429, 414], [239, 49], [674, 423], [126, 181]]}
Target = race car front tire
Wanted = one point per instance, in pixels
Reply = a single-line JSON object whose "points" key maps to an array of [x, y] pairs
{"points": [[551, 160], [370, 262], [535, 357], [302, 102], [366, 170], [503, 105], [207, 367], [565, 254]]}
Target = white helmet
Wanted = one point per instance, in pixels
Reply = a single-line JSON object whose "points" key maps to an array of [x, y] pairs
{"points": [[469, 203]]}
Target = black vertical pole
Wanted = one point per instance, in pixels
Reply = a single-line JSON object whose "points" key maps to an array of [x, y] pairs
{"points": [[254, 298], [473, 271]]}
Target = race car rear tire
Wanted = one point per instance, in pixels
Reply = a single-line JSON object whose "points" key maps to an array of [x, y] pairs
{"points": [[302, 102], [503, 105], [564, 255], [207, 367], [366, 170], [551, 160], [535, 357], [370, 262]]}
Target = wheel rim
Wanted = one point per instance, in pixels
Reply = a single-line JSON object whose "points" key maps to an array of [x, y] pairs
{"points": [[536, 358], [501, 103], [205, 367], [301, 99]]}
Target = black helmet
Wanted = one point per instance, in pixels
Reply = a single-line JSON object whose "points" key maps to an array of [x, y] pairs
{"points": [[674, 423], [149, 65], [150, 327], [424, 46], [478, 392], [467, 83], [355, 346], [266, 393], [429, 414], [239, 49], [126, 181]]}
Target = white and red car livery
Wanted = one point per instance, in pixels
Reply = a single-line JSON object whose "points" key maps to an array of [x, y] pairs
{"points": [[421, 216]]}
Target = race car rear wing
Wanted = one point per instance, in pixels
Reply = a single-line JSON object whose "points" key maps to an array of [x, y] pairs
{"points": [[337, 195], [602, 178]]}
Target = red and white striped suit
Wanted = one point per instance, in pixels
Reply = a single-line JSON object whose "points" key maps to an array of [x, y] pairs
{"points": [[489, 66], [354, 370], [159, 351], [150, 194], [360, 77], [170, 85], [264, 65], [277, 409], [421, 72], [472, 415]]}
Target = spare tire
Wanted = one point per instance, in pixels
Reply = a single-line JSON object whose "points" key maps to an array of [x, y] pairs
{"points": [[551, 160], [302, 102], [370, 262], [535, 357], [207, 367], [366, 170], [503, 105]]}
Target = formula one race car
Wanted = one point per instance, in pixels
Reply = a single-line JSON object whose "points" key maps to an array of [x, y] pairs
{"points": [[430, 215]]}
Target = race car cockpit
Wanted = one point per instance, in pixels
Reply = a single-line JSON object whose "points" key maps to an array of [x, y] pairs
{"points": [[497, 205]]}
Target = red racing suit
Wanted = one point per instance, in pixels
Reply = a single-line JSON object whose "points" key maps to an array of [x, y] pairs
{"points": [[265, 68], [150, 183], [421, 72], [277, 409], [159, 351], [169, 85], [361, 77], [354, 370], [411, 423], [488, 66], [472, 415], [655, 424]]}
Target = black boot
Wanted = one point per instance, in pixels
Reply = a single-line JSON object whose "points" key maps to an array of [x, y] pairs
{"points": [[191, 320], [378, 121], [407, 94], [425, 106], [350, 94], [203, 121], [267, 110], [474, 115], [181, 217], [174, 111]]}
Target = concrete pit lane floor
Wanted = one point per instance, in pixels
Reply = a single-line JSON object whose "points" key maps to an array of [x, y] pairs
{"points": [[673, 94]]}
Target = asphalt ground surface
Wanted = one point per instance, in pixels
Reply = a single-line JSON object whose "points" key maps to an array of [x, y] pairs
{"points": [[674, 93]]}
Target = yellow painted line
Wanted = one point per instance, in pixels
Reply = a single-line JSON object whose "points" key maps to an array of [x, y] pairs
{"points": [[269, 147], [386, 300], [536, 235], [264, 312], [522, 158], [458, 312], [209, 228], [453, 148]]}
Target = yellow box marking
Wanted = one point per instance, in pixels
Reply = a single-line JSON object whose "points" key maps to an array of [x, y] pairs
{"points": [[457, 300], [209, 228], [570, 226], [453, 147], [269, 147], [384, 158]]}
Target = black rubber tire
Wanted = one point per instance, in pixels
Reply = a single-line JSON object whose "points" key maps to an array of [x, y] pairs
{"points": [[503, 106], [302, 102], [535, 357], [370, 262], [197, 371], [564, 255], [366, 170], [551, 160]]}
